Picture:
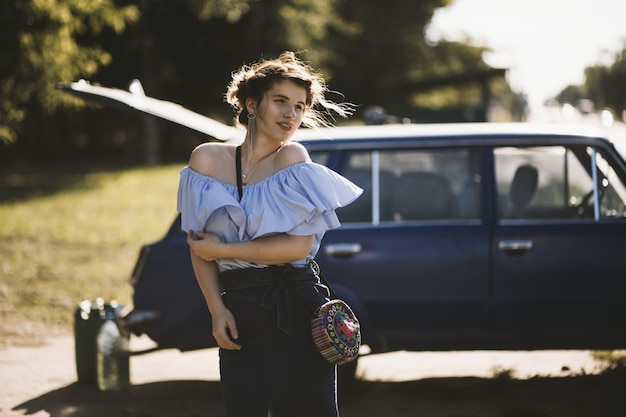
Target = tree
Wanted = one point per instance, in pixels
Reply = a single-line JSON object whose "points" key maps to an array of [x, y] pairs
{"points": [[605, 85], [384, 48], [614, 85], [572, 94], [185, 50], [46, 41], [182, 51]]}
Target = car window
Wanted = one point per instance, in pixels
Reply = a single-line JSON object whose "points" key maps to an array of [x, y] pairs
{"points": [[403, 185], [611, 191], [319, 157], [557, 182]]}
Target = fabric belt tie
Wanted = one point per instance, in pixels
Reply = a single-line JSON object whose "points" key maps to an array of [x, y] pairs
{"points": [[282, 283]]}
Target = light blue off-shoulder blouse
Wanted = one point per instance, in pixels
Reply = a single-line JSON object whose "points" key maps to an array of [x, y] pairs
{"points": [[300, 200]]}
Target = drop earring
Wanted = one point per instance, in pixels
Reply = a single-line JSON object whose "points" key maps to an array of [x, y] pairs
{"points": [[251, 131]]}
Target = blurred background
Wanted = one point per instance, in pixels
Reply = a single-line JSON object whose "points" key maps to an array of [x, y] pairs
{"points": [[81, 191], [421, 61]]}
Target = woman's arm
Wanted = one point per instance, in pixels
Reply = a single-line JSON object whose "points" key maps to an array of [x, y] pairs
{"points": [[224, 326], [269, 250]]}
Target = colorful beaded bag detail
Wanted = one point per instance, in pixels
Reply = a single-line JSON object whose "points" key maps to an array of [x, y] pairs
{"points": [[336, 332]]}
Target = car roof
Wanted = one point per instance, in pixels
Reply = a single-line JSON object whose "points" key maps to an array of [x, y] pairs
{"points": [[365, 137], [448, 131]]}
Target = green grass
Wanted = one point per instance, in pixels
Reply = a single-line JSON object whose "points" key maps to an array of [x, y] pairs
{"points": [[65, 238]]}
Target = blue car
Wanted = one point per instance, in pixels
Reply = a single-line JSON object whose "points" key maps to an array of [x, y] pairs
{"points": [[467, 236]]}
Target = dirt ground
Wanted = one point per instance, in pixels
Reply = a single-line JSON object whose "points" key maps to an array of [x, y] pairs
{"points": [[41, 381]]}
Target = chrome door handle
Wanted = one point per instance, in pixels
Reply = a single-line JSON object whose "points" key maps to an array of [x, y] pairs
{"points": [[342, 249], [515, 245]]}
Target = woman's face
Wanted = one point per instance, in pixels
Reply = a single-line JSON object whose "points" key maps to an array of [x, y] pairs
{"points": [[280, 112]]}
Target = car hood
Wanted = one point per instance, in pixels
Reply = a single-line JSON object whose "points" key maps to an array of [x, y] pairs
{"points": [[136, 99]]}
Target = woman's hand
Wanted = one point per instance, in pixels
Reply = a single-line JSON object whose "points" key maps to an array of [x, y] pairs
{"points": [[224, 326], [203, 245], [225, 329]]}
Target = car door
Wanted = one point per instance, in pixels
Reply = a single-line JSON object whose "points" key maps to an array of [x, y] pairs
{"points": [[559, 276], [413, 247]]}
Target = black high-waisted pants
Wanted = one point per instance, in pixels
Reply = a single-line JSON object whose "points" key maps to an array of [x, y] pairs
{"points": [[278, 367]]}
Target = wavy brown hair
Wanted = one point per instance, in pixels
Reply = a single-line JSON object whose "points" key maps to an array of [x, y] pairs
{"points": [[253, 81]]}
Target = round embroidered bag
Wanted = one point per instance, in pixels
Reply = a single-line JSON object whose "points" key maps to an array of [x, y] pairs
{"points": [[336, 332]]}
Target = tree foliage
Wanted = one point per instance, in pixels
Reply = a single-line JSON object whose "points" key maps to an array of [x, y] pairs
{"points": [[45, 41], [605, 85], [384, 48], [185, 50]]}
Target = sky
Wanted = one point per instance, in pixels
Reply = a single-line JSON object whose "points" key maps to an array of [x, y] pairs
{"points": [[546, 44]]}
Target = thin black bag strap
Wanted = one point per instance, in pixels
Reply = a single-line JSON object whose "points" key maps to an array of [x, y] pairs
{"points": [[238, 168]]}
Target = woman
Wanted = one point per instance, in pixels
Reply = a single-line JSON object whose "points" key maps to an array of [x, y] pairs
{"points": [[255, 216]]}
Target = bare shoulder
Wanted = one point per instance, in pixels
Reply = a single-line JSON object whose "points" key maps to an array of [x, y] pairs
{"points": [[292, 153], [209, 158]]}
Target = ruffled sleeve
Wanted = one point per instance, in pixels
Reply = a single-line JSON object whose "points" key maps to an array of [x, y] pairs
{"points": [[200, 196], [299, 200]]}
